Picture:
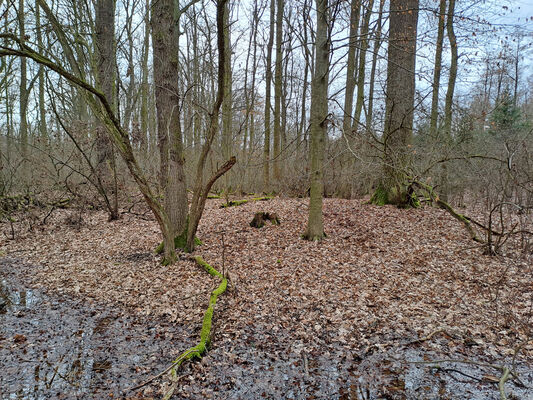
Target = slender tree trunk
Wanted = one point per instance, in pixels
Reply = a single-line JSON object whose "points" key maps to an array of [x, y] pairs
{"points": [[201, 191], [355, 12], [268, 78], [453, 69], [377, 45], [278, 92], [307, 67], [145, 91], [43, 131], [23, 96], [449, 96], [362, 65], [227, 115], [318, 129], [436, 72]]}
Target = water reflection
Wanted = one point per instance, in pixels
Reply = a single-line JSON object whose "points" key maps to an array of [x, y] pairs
{"points": [[13, 300]]}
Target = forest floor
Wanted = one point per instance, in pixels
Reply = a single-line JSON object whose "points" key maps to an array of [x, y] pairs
{"points": [[371, 312]]}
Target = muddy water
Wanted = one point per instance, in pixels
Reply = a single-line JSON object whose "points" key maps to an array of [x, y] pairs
{"points": [[54, 347]]}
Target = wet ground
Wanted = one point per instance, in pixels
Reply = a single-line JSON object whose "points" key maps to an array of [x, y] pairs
{"points": [[52, 347]]}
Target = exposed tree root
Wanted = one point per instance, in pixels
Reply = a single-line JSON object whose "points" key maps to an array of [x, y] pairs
{"points": [[205, 335], [234, 203]]}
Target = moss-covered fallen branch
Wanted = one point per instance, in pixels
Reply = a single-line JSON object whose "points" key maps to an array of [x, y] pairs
{"points": [[205, 335], [234, 203]]}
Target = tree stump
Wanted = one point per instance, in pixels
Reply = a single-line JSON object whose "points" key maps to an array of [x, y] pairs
{"points": [[261, 217]]}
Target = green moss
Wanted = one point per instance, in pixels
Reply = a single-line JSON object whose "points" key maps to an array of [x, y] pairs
{"points": [[205, 334], [234, 203], [380, 196], [180, 242]]}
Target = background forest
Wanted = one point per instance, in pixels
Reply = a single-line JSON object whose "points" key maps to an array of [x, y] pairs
{"points": [[472, 103]]}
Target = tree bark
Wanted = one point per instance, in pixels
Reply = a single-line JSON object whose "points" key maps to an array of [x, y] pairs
{"points": [[437, 71], [355, 11], [377, 45], [319, 117], [278, 92], [362, 65], [105, 75], [398, 129], [268, 78], [165, 38], [227, 115], [445, 186], [43, 129], [23, 96]]}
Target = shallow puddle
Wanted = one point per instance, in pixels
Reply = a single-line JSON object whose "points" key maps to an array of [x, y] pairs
{"points": [[53, 347]]}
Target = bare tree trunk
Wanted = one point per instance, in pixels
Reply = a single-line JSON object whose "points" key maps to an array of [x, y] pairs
{"points": [[105, 64], [268, 77], [318, 129], [449, 97], [362, 65], [437, 70], [377, 45], [278, 92], [201, 191], [307, 58], [144, 77], [165, 38], [355, 12], [398, 130], [43, 131], [227, 115], [23, 96]]}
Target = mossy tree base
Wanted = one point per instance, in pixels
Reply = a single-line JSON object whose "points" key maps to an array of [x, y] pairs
{"points": [[403, 197], [180, 242]]}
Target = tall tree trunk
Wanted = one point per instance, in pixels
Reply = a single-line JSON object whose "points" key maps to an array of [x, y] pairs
{"points": [[145, 91], [355, 12], [377, 45], [449, 96], [105, 63], [165, 38], [362, 65], [227, 115], [318, 129], [43, 131], [398, 130], [436, 72], [268, 78], [201, 191], [307, 67], [278, 92], [23, 96]]}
